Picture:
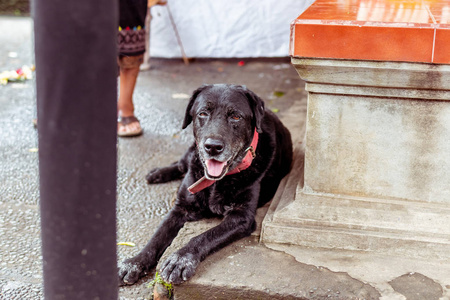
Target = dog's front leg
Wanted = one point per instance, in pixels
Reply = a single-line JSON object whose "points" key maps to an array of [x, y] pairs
{"points": [[181, 265], [132, 269]]}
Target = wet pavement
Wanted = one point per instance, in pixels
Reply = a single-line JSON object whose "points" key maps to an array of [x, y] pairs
{"points": [[244, 270], [161, 96]]}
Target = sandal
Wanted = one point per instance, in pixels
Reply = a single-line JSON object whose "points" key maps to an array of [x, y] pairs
{"points": [[123, 127]]}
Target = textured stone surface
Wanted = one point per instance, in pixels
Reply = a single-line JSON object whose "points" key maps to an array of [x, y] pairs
{"points": [[248, 270], [377, 129], [415, 286], [378, 147]]}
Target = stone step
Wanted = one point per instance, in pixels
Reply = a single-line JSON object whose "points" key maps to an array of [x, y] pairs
{"points": [[247, 270]]}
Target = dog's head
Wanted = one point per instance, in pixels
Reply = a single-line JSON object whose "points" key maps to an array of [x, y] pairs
{"points": [[224, 119]]}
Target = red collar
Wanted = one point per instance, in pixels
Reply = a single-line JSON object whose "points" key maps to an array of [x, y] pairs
{"points": [[203, 182]]}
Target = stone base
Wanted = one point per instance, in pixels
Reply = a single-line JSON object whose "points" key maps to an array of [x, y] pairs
{"points": [[373, 171], [387, 227]]}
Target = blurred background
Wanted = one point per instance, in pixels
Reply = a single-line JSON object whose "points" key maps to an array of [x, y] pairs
{"points": [[15, 7]]}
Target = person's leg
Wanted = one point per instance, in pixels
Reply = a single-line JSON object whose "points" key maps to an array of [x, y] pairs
{"points": [[128, 125], [131, 46], [127, 79]]}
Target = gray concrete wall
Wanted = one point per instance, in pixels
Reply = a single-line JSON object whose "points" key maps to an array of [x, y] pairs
{"points": [[378, 147], [377, 129]]}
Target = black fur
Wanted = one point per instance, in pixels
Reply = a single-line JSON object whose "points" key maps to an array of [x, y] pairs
{"points": [[224, 119]]}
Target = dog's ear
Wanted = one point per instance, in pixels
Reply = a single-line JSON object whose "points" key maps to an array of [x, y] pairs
{"points": [[188, 114], [257, 105]]}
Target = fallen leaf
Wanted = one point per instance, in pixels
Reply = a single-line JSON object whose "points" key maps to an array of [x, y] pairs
{"points": [[275, 110], [130, 244], [278, 94]]}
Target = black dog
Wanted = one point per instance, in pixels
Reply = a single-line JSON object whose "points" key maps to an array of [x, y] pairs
{"points": [[241, 153]]}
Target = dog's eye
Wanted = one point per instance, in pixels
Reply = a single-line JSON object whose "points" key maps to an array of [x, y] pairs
{"points": [[235, 117], [203, 114]]}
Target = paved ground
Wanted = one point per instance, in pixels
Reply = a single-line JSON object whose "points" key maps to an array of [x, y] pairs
{"points": [[161, 97], [246, 269]]}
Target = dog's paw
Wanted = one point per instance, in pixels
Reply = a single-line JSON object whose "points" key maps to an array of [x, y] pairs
{"points": [[131, 270], [178, 268], [155, 176]]}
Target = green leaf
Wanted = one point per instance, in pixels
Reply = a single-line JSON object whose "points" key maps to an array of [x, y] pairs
{"points": [[278, 94], [130, 244]]}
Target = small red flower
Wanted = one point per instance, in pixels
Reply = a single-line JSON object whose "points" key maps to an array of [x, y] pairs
{"points": [[241, 63]]}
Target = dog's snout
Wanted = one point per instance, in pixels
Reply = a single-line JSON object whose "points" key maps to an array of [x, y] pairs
{"points": [[214, 146]]}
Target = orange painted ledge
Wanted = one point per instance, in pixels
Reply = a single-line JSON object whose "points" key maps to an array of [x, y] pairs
{"points": [[381, 30]]}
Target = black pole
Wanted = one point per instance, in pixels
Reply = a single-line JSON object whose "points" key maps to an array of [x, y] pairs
{"points": [[75, 46]]}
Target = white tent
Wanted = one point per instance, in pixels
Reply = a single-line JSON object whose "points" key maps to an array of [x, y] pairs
{"points": [[224, 28]]}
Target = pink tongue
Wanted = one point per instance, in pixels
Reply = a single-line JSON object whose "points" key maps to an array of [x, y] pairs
{"points": [[214, 167]]}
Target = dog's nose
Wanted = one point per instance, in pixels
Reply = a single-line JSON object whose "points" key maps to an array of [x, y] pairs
{"points": [[213, 146]]}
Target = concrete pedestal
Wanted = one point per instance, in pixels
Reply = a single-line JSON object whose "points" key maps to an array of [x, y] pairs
{"points": [[376, 161]]}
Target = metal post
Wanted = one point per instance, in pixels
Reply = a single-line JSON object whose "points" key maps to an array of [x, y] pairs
{"points": [[76, 69]]}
